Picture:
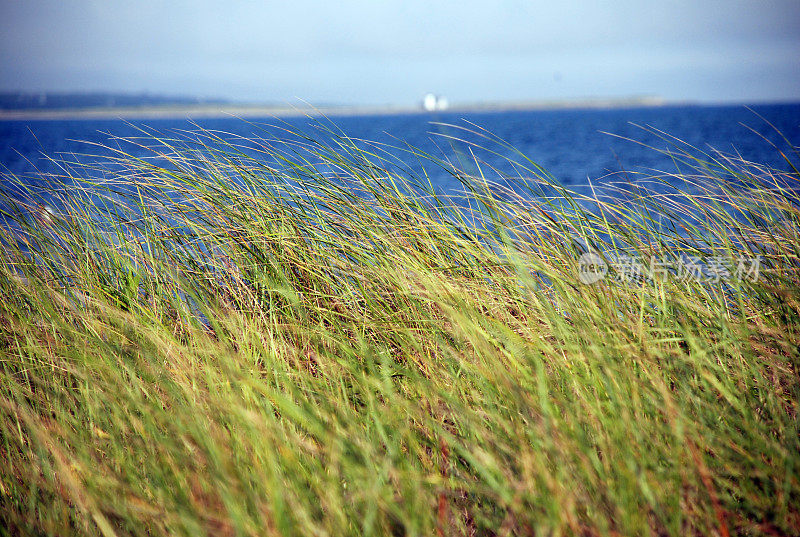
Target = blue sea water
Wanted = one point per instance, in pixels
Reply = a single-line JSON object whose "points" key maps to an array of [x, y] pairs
{"points": [[574, 146]]}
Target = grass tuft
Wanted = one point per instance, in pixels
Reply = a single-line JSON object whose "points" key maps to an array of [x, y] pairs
{"points": [[203, 334]]}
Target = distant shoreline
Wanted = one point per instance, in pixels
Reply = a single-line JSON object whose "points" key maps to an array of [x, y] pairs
{"points": [[234, 110], [208, 111]]}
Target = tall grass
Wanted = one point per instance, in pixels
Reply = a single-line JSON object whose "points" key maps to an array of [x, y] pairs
{"points": [[301, 336]]}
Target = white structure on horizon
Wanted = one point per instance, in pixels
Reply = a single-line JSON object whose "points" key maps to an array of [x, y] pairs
{"points": [[431, 102]]}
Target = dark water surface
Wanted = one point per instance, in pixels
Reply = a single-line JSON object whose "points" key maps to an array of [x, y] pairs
{"points": [[569, 144]]}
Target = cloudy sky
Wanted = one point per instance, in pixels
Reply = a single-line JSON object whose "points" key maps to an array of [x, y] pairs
{"points": [[393, 51]]}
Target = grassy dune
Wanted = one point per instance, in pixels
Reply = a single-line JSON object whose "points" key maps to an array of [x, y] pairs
{"points": [[301, 337]]}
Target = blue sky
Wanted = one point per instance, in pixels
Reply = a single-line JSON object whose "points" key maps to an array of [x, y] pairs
{"points": [[393, 51]]}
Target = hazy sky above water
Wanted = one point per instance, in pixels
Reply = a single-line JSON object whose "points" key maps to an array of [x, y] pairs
{"points": [[393, 51]]}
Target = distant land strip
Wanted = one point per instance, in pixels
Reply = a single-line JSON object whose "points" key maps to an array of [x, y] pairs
{"points": [[221, 110]]}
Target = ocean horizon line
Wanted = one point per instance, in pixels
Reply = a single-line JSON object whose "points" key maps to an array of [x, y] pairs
{"points": [[249, 110]]}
